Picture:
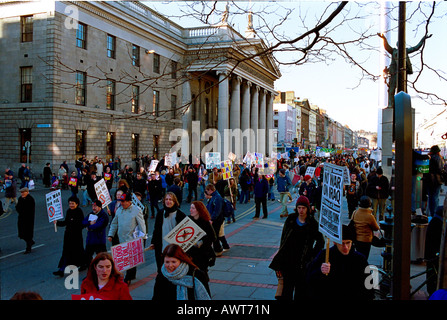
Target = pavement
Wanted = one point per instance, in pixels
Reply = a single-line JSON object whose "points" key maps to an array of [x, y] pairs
{"points": [[242, 273]]}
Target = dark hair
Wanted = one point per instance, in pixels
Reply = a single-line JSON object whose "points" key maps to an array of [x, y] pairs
{"points": [[100, 257], [365, 202], [26, 295], [98, 203], [74, 199]]}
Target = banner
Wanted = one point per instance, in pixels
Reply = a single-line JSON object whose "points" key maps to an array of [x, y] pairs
{"points": [[128, 254], [103, 193], [185, 234], [212, 160], [72, 181], [54, 205], [310, 171], [331, 202]]}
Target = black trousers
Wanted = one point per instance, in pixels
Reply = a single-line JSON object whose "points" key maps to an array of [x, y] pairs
{"points": [[261, 202]]}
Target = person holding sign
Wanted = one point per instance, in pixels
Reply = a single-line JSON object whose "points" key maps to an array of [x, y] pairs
{"points": [[202, 252], [26, 207], [300, 243], [73, 247], [343, 276], [180, 278], [104, 280], [126, 219], [96, 223], [167, 218]]}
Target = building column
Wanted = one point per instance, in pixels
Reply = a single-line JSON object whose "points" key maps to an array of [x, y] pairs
{"points": [[186, 120], [222, 109], [245, 118], [254, 115], [235, 116], [261, 141], [270, 148]]}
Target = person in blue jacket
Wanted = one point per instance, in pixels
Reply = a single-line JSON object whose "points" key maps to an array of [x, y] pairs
{"points": [[215, 208], [282, 183], [96, 223]]}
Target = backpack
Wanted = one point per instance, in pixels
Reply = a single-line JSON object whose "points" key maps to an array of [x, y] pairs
{"points": [[228, 209]]}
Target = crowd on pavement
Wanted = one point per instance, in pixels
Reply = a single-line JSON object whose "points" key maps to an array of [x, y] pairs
{"points": [[300, 265]]}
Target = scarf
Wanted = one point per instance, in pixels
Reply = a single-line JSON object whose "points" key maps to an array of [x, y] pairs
{"points": [[183, 281], [169, 210]]}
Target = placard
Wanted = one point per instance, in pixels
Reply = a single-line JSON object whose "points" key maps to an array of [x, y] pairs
{"points": [[103, 193], [212, 160], [331, 202], [128, 254], [227, 170], [185, 234], [54, 205]]}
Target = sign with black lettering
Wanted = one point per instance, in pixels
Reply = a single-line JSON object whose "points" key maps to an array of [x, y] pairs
{"points": [[331, 202]]}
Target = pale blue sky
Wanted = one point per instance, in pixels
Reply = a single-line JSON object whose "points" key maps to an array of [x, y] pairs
{"points": [[334, 85]]}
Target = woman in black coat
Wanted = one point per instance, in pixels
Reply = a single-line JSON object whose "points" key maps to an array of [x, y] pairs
{"points": [[73, 248], [179, 278], [202, 252], [172, 215]]}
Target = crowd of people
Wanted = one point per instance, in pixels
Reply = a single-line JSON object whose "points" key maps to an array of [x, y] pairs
{"points": [[184, 275]]}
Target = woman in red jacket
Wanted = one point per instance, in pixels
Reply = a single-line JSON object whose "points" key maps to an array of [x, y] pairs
{"points": [[104, 280]]}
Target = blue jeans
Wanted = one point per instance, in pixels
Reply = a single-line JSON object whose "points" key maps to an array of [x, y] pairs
{"points": [[433, 198], [271, 194], [245, 196]]}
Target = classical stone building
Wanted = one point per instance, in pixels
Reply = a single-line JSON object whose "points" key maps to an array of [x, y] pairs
{"points": [[116, 78]]}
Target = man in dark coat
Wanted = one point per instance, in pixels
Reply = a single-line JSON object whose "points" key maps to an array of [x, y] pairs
{"points": [[378, 191], [47, 173], [26, 208], [193, 181]]}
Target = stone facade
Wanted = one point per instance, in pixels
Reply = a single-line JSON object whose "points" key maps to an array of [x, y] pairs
{"points": [[52, 118]]}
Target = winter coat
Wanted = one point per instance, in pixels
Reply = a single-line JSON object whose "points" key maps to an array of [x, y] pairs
{"points": [[298, 246], [203, 251], [115, 289], [125, 222], [73, 247], [96, 233], [26, 208], [261, 188], [283, 183]]}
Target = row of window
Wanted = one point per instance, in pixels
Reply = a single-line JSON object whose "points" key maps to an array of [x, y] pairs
{"points": [[81, 143], [26, 76], [26, 23]]}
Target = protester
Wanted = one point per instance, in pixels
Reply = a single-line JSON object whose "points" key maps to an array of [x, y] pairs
{"points": [[261, 191], [282, 183], [300, 243], [352, 192], [96, 223], [202, 252], [104, 280], [47, 173], [73, 246], [10, 190], [127, 218], [26, 207], [215, 208], [180, 278], [436, 166], [365, 224], [166, 220], [343, 277], [378, 191]]}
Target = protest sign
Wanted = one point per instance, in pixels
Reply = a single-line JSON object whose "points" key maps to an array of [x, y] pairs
{"points": [[170, 159], [212, 160], [103, 193], [331, 202], [72, 181], [54, 206], [137, 202], [185, 234], [128, 254], [227, 170], [310, 171], [153, 166]]}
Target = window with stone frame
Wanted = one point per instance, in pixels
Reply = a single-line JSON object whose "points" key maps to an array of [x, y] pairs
{"points": [[26, 26]]}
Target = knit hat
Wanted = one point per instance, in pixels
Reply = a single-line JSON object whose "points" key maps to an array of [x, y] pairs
{"points": [[434, 149], [303, 201], [348, 233], [307, 177]]}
